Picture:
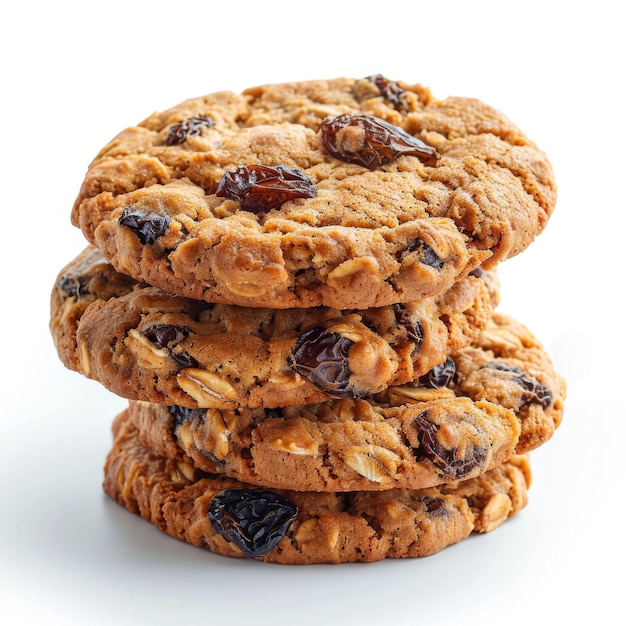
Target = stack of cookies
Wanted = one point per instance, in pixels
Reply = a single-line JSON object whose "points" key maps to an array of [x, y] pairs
{"points": [[296, 289]]}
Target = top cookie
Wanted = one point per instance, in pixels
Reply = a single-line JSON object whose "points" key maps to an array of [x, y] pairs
{"points": [[344, 193]]}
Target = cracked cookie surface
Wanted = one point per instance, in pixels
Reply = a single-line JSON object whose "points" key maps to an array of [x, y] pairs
{"points": [[344, 193], [235, 519], [496, 398], [145, 344]]}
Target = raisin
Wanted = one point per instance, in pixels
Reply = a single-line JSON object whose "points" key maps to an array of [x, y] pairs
{"points": [[182, 414], [439, 456], [374, 143], [147, 226], [74, 287], [261, 188], [425, 254], [190, 126], [434, 505], [253, 520], [440, 376], [386, 88], [169, 336], [322, 358], [165, 334], [478, 272], [184, 359], [534, 391], [414, 330]]}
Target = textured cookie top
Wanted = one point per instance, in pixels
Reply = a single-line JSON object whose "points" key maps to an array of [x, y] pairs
{"points": [[346, 193], [235, 519], [145, 344], [497, 398]]}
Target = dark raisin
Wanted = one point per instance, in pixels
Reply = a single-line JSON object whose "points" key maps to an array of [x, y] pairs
{"points": [[164, 335], [322, 358], [184, 359], [73, 286], [434, 505], [440, 457], [261, 188], [147, 226], [440, 376], [375, 143], [534, 391], [190, 126], [253, 520], [425, 254], [478, 272], [169, 336], [414, 330], [382, 86], [182, 414]]}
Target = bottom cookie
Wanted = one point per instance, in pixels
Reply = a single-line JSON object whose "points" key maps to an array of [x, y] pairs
{"points": [[236, 519]]}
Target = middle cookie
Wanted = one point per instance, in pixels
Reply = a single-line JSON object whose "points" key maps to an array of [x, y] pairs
{"points": [[144, 344], [499, 397]]}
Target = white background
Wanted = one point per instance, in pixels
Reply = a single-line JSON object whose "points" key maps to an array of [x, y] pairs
{"points": [[74, 74]]}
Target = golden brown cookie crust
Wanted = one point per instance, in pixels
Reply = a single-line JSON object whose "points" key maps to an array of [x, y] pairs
{"points": [[307, 527], [404, 230]]}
